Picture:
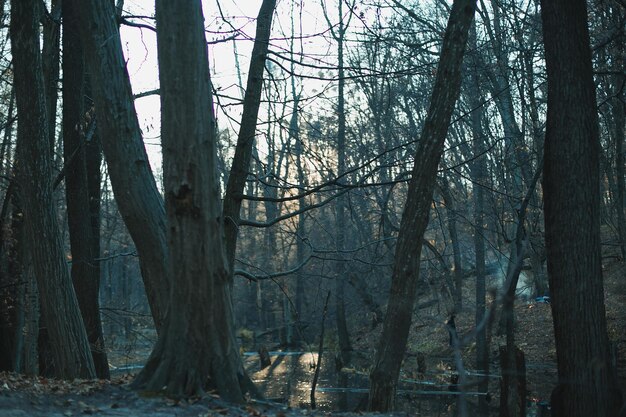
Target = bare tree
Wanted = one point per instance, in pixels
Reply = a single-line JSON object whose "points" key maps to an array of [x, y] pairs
{"points": [[69, 344], [76, 131], [198, 339], [572, 217], [405, 278], [339, 34], [245, 139], [136, 193]]}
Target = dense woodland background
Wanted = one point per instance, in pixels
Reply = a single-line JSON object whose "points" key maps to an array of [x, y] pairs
{"points": [[364, 177]]}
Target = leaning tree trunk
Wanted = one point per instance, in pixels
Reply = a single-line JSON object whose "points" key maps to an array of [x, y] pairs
{"points": [[136, 193], [70, 347], [198, 339], [85, 269], [245, 139], [392, 344], [571, 188]]}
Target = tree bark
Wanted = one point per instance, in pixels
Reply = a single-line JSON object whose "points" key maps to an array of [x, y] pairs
{"points": [[513, 384], [618, 110], [480, 178], [247, 130], [70, 347], [451, 217], [136, 193], [572, 197], [343, 336], [518, 165], [405, 277], [198, 340], [295, 137], [50, 65], [85, 270], [12, 290]]}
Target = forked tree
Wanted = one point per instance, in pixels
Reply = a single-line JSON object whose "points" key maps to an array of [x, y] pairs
{"points": [[197, 341]]}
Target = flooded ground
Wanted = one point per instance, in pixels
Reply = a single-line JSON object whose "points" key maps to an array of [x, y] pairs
{"points": [[289, 379]]}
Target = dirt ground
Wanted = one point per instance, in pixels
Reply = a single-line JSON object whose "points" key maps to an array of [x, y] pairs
{"points": [[39, 397], [287, 382]]}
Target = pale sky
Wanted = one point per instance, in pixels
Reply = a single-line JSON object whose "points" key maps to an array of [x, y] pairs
{"points": [[141, 53]]}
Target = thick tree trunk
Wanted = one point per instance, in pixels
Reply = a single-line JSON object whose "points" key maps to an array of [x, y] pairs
{"points": [[572, 197], [136, 193], [392, 344], [60, 307], [85, 270], [198, 340]]}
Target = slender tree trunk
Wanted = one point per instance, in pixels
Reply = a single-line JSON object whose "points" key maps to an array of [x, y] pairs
{"points": [[270, 191], [50, 69], [295, 137], [499, 76], [405, 277], [60, 307], [50, 66], [479, 174], [251, 318], [136, 193], [247, 130], [198, 341], [480, 179], [513, 398], [300, 230], [85, 270], [451, 214], [93, 162], [572, 197], [343, 335]]}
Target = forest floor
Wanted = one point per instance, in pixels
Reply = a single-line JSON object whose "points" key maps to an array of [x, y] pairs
{"points": [[287, 382], [40, 397]]}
